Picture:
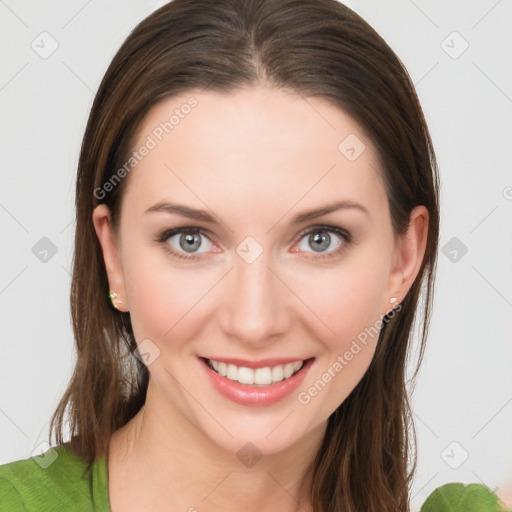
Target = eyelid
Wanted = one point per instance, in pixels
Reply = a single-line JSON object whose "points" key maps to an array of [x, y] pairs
{"points": [[321, 228]]}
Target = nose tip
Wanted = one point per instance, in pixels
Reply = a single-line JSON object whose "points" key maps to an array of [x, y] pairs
{"points": [[255, 307]]}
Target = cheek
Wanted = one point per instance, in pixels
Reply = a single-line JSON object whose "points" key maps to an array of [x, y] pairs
{"points": [[162, 297], [347, 300], [348, 303]]}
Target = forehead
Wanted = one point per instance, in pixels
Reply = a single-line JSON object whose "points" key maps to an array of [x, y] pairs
{"points": [[254, 145]]}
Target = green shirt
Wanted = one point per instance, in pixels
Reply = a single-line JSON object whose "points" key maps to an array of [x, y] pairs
{"points": [[56, 480]]}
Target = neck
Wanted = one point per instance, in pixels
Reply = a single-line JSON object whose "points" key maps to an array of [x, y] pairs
{"points": [[162, 457]]}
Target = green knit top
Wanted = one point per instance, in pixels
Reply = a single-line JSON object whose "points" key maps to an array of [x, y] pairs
{"points": [[57, 480]]}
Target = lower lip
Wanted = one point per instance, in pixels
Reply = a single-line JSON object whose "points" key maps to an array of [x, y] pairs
{"points": [[255, 396]]}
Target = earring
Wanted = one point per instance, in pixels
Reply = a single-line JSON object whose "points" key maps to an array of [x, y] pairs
{"points": [[113, 299], [392, 301]]}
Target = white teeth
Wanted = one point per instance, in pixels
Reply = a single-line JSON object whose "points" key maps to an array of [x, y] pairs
{"points": [[232, 372], [277, 373], [259, 377], [263, 376], [288, 370], [221, 368], [245, 375]]}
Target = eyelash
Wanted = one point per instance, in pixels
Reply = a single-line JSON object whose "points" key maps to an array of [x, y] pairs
{"points": [[343, 234]]}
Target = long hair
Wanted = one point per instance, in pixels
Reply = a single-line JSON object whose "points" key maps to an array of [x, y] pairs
{"points": [[317, 48]]}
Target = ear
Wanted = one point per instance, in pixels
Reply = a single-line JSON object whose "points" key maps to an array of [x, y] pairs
{"points": [[409, 251], [111, 254]]}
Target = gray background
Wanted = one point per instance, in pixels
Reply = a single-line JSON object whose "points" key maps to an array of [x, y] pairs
{"points": [[463, 398]]}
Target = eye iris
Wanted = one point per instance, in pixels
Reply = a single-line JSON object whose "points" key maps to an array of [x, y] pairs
{"points": [[192, 241], [324, 240]]}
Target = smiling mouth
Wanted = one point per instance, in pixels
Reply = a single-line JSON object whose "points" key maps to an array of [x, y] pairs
{"points": [[256, 377]]}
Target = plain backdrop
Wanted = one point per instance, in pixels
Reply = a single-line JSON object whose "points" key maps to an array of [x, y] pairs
{"points": [[456, 53]]}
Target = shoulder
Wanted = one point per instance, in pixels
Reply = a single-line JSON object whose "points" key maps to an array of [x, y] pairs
{"points": [[56, 480]]}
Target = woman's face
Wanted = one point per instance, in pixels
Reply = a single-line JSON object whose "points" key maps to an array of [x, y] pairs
{"points": [[248, 282]]}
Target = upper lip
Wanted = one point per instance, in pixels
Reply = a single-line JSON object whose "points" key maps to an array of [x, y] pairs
{"points": [[262, 363]]}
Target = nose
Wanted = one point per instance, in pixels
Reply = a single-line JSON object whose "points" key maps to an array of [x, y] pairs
{"points": [[255, 303]]}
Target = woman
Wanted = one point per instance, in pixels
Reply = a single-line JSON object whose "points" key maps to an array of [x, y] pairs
{"points": [[256, 214]]}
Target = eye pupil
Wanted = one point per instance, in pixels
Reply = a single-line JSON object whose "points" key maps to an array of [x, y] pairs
{"points": [[192, 241], [324, 241]]}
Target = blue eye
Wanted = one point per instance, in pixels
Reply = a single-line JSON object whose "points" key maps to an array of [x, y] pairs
{"points": [[320, 240], [188, 242]]}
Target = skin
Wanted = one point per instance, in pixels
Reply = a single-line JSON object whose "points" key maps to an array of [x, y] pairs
{"points": [[254, 159]]}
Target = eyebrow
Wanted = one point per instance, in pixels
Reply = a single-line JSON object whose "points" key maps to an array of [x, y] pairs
{"points": [[203, 215]]}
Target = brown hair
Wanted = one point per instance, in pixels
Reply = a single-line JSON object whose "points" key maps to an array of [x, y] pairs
{"points": [[316, 48]]}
